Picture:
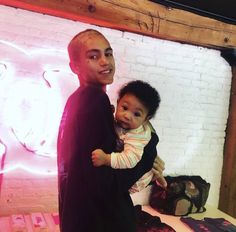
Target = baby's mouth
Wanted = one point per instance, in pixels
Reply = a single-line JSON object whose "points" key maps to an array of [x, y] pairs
{"points": [[124, 125]]}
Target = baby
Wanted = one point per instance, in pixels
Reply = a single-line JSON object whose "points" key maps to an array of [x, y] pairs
{"points": [[137, 104]]}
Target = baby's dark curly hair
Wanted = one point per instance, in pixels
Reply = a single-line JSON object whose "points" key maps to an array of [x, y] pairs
{"points": [[148, 95]]}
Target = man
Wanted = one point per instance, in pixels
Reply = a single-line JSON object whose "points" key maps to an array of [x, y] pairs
{"points": [[94, 199]]}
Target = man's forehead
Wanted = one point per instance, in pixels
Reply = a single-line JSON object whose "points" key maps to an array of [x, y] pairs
{"points": [[89, 35], [93, 41]]}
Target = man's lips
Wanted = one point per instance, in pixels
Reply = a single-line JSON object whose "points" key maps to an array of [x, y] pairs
{"points": [[106, 71]]}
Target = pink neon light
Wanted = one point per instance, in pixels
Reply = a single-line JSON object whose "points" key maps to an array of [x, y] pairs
{"points": [[3, 69], [2, 149], [31, 110], [33, 89], [31, 170]]}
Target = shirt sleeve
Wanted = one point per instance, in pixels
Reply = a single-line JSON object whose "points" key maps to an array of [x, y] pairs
{"points": [[134, 144]]}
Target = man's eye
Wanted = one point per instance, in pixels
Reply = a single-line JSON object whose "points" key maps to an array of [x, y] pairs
{"points": [[124, 107], [109, 54], [137, 114], [93, 57]]}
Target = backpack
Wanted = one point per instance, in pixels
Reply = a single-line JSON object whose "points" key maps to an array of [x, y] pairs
{"points": [[183, 195]]}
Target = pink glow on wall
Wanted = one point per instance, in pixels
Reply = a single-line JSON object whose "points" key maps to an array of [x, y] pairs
{"points": [[31, 110], [34, 85], [37, 171], [2, 149]]}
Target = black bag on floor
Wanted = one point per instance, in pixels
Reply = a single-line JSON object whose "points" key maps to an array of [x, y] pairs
{"points": [[183, 195]]}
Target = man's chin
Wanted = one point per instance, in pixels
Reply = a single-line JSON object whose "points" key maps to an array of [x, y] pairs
{"points": [[106, 81], [110, 80]]}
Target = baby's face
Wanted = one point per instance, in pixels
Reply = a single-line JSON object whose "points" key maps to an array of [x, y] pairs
{"points": [[130, 112], [95, 64]]}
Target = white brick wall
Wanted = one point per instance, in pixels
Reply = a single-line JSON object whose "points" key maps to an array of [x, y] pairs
{"points": [[194, 84]]}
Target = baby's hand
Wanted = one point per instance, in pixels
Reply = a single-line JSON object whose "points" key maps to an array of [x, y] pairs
{"points": [[99, 158]]}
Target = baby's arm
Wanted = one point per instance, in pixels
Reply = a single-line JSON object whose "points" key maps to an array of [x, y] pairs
{"points": [[118, 160], [99, 158], [129, 157]]}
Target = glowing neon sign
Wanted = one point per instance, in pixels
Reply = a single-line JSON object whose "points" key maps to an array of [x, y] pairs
{"points": [[33, 89], [3, 149]]}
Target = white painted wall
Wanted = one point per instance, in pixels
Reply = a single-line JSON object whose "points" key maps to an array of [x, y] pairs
{"points": [[194, 84]]}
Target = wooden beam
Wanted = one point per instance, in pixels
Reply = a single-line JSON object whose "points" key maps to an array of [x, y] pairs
{"points": [[143, 17], [228, 187], [227, 201]]}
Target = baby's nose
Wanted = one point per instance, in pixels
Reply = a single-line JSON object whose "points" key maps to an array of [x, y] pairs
{"points": [[127, 116]]}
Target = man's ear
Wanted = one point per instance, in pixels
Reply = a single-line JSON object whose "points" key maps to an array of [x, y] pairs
{"points": [[74, 67]]}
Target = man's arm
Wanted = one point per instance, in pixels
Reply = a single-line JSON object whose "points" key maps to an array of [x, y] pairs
{"points": [[100, 158], [128, 158], [96, 130], [125, 178]]}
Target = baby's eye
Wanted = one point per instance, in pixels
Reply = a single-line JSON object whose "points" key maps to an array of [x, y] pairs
{"points": [[125, 107], [137, 114]]}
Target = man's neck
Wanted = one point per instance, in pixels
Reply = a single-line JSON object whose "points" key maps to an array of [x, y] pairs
{"points": [[103, 87]]}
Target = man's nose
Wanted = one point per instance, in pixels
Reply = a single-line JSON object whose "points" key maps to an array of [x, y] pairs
{"points": [[104, 60]]}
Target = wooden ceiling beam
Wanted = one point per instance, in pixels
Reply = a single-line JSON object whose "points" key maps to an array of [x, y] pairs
{"points": [[142, 17]]}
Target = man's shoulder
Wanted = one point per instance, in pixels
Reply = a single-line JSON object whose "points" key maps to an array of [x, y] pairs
{"points": [[88, 93], [90, 90]]}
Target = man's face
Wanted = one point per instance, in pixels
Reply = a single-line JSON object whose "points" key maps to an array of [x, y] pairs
{"points": [[95, 64]]}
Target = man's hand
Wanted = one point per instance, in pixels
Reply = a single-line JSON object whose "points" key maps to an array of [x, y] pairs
{"points": [[158, 168], [99, 158]]}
